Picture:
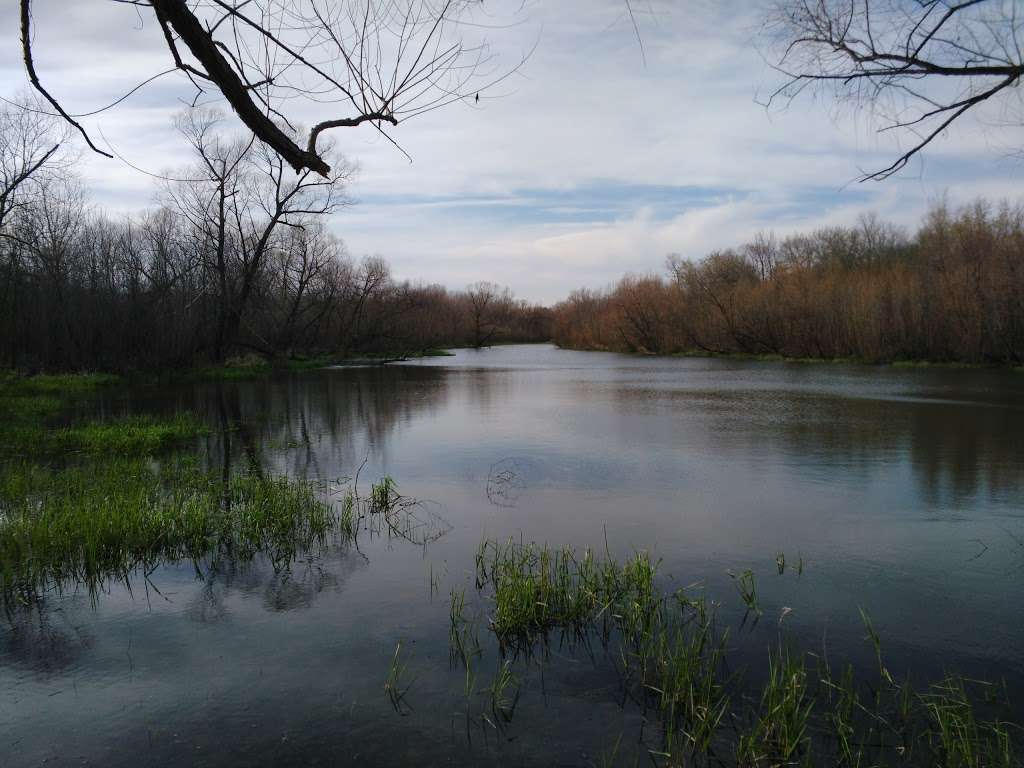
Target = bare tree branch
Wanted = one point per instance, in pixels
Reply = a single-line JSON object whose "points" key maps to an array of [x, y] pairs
{"points": [[919, 64]]}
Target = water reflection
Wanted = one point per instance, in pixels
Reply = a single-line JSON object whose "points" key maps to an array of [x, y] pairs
{"points": [[47, 637], [900, 490], [312, 424]]}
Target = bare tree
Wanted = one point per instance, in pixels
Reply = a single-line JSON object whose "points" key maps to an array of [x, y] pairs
{"points": [[489, 306], [372, 61], [236, 200], [30, 143], [919, 64]]}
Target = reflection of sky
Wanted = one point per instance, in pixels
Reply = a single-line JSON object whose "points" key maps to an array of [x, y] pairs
{"points": [[893, 491]]}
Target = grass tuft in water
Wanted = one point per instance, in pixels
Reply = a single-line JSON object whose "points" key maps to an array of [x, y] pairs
{"points": [[504, 692], [29, 400], [673, 659], [129, 435], [99, 522], [746, 585], [958, 738], [395, 685], [780, 733]]}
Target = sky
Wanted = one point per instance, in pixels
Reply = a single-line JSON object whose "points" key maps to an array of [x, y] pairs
{"points": [[597, 157]]}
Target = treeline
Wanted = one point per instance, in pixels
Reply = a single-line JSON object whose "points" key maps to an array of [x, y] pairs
{"points": [[234, 258], [954, 291]]}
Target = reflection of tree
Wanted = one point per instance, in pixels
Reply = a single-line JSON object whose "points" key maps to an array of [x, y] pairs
{"points": [[43, 638], [317, 424], [279, 589], [956, 450]]}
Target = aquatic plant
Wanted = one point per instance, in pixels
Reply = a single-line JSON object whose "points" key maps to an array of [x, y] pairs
{"points": [[29, 400], [90, 524], [958, 738], [674, 660], [128, 435], [746, 585], [504, 692], [395, 685], [780, 732]]}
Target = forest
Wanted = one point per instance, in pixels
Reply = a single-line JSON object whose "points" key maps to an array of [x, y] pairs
{"points": [[235, 259], [951, 292]]}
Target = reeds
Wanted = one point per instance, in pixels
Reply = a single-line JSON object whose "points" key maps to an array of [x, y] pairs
{"points": [[673, 659]]}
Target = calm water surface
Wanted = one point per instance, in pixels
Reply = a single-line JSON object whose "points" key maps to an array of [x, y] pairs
{"points": [[901, 491]]}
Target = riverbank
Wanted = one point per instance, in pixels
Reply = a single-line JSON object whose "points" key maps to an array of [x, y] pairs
{"points": [[776, 358]]}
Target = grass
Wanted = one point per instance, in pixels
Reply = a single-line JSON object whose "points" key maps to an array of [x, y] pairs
{"points": [[504, 692], [746, 585], [395, 686], [28, 404], [958, 738], [673, 658], [780, 733], [246, 372], [536, 588], [29, 400], [128, 435], [100, 522]]}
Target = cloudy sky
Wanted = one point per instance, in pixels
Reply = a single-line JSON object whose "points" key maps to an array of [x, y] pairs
{"points": [[594, 159]]}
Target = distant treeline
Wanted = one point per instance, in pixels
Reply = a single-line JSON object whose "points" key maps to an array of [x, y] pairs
{"points": [[952, 292], [234, 259]]}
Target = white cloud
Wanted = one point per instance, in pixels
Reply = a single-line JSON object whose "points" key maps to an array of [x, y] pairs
{"points": [[587, 110]]}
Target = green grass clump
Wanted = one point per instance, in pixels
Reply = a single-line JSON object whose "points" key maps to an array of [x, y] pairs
{"points": [[311, 363], [537, 588], [101, 521], [958, 737], [30, 400], [780, 733], [674, 661], [22, 409], [58, 384], [129, 435]]}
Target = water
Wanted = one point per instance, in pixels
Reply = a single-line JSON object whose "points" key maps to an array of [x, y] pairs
{"points": [[899, 492]]}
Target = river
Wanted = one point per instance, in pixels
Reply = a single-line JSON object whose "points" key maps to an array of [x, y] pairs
{"points": [[899, 492]]}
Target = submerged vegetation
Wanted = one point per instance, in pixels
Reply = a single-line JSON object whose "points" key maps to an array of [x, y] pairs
{"points": [[675, 660]]}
